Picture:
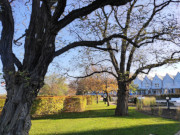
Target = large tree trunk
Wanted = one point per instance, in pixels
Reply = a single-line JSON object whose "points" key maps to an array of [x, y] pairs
{"points": [[15, 118], [122, 101]]}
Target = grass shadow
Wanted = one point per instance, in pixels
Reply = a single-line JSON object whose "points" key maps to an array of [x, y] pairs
{"points": [[160, 129], [95, 114]]}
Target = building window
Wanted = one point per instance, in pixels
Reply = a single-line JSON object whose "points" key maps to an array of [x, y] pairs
{"points": [[156, 85], [147, 85]]}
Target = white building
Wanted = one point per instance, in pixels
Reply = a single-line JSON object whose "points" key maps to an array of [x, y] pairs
{"points": [[177, 83], [158, 85], [168, 84], [146, 85], [138, 82]]}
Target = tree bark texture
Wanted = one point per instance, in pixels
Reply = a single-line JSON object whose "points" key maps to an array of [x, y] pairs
{"points": [[122, 101], [15, 117]]}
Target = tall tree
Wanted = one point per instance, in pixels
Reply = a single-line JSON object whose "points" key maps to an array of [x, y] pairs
{"points": [[109, 84], [96, 84], [23, 82], [154, 34], [87, 85]]}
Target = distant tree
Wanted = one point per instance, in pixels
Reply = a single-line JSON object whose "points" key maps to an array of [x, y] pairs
{"points": [[154, 42], [103, 82], [55, 86], [72, 87], [133, 87], [109, 84], [45, 90]]}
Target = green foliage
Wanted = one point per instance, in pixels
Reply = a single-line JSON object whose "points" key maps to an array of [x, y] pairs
{"points": [[133, 87], [47, 105], [74, 104], [54, 86]]}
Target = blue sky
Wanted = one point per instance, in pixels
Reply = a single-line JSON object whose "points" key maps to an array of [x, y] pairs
{"points": [[22, 16]]}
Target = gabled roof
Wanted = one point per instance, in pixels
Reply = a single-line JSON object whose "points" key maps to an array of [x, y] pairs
{"points": [[160, 77], [172, 76], [176, 75]]}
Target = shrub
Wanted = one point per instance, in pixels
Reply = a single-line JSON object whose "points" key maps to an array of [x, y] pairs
{"points": [[149, 101], [139, 105], [75, 103], [159, 97], [2, 101], [145, 102], [47, 105], [159, 111]]}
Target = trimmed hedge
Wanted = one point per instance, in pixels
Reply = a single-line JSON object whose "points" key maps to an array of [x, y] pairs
{"points": [[47, 105], [75, 103], [90, 99], [2, 101]]}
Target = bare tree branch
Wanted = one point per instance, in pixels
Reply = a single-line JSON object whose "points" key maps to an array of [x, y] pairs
{"points": [[92, 43], [17, 62], [59, 10], [150, 66], [87, 10], [16, 41], [95, 72]]}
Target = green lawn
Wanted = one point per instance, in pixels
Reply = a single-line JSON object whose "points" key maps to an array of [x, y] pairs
{"points": [[100, 120]]}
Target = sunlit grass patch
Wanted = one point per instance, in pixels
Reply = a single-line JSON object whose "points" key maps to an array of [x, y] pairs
{"points": [[100, 120]]}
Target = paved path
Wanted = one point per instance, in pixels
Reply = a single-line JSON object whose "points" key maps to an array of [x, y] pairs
{"points": [[178, 133]]}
